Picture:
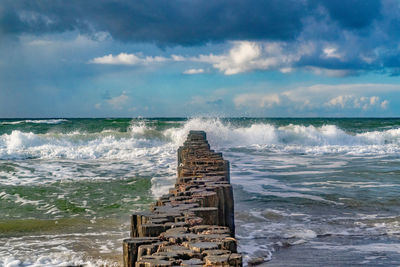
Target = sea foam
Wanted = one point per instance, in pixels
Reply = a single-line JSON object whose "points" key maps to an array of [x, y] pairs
{"points": [[142, 139], [227, 134], [147, 151], [49, 121]]}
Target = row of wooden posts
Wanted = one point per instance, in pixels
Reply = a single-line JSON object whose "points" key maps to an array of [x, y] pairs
{"points": [[194, 224]]}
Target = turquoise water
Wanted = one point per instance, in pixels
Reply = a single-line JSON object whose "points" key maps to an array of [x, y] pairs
{"points": [[325, 187]]}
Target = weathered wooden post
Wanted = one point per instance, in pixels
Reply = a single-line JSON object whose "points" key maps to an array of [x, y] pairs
{"points": [[193, 224]]}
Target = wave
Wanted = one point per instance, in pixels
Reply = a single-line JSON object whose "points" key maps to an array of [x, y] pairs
{"points": [[49, 121], [59, 259], [290, 138], [226, 134], [21, 145], [143, 139]]}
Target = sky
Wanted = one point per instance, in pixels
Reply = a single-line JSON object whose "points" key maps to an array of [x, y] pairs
{"points": [[179, 58]]}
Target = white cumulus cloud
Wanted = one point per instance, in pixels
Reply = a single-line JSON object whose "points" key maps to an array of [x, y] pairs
{"points": [[245, 56], [384, 104], [340, 101], [117, 102], [193, 71], [320, 96], [357, 102], [331, 52], [128, 59]]}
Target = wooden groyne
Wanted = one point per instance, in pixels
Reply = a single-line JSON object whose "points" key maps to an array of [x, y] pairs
{"points": [[194, 224]]}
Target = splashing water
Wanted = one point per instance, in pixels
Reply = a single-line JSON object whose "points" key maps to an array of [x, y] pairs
{"points": [[67, 186]]}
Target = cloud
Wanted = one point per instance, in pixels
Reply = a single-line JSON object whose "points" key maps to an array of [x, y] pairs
{"points": [[163, 22], [245, 56], [332, 89], [127, 59], [354, 102], [215, 99], [384, 104], [123, 58], [139, 59], [348, 14], [329, 72], [317, 57], [344, 96], [206, 100], [117, 102], [331, 52], [319, 36], [340, 101], [242, 57], [257, 100], [216, 102], [193, 71], [320, 97], [40, 43], [177, 58]]}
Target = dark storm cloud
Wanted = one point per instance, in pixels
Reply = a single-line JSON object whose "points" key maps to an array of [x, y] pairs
{"points": [[164, 22], [353, 14], [365, 33], [181, 21]]}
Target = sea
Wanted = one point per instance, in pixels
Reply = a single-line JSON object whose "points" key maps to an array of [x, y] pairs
{"points": [[308, 191]]}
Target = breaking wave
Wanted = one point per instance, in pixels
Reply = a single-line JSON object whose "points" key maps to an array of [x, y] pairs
{"points": [[49, 121], [225, 134], [142, 139]]}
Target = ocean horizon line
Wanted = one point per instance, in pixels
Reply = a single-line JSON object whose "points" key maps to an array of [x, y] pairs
{"points": [[193, 117]]}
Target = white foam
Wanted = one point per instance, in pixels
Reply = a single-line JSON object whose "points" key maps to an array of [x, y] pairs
{"points": [[290, 138], [22, 145], [57, 155], [345, 184], [161, 185], [60, 249], [146, 151], [302, 234], [373, 247], [55, 260], [257, 186], [145, 140], [50, 121]]}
